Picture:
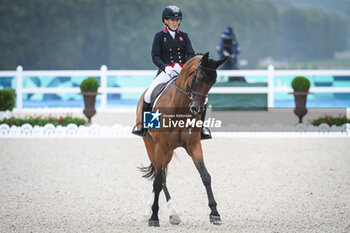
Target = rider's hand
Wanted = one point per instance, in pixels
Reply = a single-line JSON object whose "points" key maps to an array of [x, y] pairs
{"points": [[168, 70]]}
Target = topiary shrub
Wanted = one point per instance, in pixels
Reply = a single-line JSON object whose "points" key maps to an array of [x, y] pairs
{"points": [[7, 99], [89, 84], [300, 84]]}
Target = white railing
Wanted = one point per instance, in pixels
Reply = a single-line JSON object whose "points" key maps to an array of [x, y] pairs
{"points": [[103, 73], [124, 131]]}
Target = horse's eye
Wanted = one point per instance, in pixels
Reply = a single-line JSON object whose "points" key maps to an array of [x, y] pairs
{"points": [[201, 76]]}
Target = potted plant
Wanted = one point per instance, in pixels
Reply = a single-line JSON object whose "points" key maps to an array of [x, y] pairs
{"points": [[7, 102], [301, 86], [88, 89]]}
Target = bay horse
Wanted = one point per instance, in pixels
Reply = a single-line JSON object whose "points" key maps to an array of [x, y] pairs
{"points": [[188, 92]]}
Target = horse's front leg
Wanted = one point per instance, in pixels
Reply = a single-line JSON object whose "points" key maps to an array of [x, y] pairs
{"points": [[206, 178], [197, 156], [174, 217]]}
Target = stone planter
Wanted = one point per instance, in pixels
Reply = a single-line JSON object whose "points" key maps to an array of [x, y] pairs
{"points": [[300, 104], [89, 104]]}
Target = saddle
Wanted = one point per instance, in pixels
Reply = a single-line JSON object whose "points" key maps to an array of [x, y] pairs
{"points": [[159, 89]]}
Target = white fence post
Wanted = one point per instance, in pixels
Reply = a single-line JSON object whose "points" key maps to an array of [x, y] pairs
{"points": [[19, 87], [270, 86], [103, 87]]}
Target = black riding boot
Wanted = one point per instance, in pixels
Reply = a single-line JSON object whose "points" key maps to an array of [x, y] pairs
{"points": [[142, 131], [205, 132]]}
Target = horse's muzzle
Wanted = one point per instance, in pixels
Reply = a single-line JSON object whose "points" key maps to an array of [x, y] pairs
{"points": [[196, 110]]}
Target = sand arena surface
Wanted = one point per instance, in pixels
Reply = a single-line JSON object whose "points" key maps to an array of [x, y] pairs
{"points": [[92, 185]]}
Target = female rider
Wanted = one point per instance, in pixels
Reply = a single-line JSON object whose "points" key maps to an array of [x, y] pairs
{"points": [[171, 49]]}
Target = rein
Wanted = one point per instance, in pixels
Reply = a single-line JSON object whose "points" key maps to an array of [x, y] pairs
{"points": [[193, 93]]}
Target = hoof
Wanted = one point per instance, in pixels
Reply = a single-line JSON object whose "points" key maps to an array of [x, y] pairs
{"points": [[216, 220], [153, 223], [174, 219]]}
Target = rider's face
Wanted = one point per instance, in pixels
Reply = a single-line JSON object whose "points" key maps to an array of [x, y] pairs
{"points": [[172, 23]]}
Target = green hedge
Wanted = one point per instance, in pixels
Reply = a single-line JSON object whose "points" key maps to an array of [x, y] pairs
{"points": [[64, 121], [7, 99]]}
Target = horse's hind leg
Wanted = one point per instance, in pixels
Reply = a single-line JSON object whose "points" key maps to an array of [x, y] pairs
{"points": [[157, 188], [157, 183]]}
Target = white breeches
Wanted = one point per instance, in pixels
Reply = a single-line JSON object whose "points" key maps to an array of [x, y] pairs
{"points": [[161, 78]]}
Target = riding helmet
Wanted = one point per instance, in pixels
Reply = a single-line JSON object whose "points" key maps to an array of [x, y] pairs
{"points": [[171, 12]]}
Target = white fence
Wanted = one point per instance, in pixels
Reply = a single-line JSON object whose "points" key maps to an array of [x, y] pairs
{"points": [[124, 131], [103, 73]]}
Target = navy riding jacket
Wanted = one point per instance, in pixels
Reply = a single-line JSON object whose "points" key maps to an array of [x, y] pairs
{"points": [[168, 51]]}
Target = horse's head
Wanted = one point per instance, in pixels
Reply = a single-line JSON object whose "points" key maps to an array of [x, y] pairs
{"points": [[200, 81]]}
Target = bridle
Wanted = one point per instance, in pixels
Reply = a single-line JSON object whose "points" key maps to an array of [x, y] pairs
{"points": [[192, 93]]}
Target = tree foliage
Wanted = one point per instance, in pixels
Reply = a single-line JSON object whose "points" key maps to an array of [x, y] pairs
{"points": [[309, 33], [84, 34]]}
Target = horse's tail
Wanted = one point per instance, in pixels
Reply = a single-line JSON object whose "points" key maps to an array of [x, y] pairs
{"points": [[149, 172]]}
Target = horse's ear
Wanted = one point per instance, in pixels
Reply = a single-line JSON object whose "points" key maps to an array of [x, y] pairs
{"points": [[205, 58], [221, 61]]}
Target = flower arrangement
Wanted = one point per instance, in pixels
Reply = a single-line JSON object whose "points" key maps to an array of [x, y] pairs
{"points": [[330, 120]]}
